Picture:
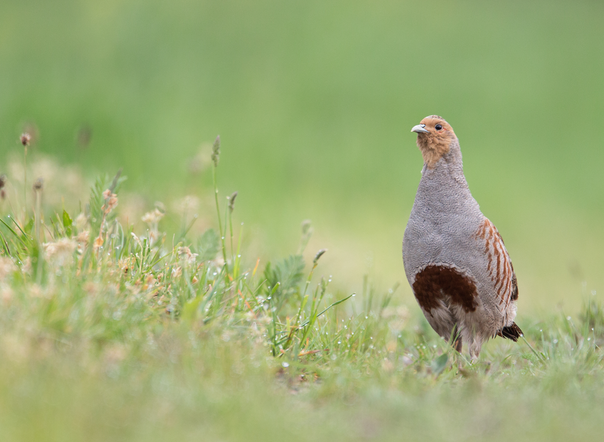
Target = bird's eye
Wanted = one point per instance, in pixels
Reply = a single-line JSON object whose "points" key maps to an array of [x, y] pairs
{"points": [[438, 126]]}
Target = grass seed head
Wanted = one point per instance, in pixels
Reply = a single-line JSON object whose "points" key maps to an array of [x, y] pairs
{"points": [[2, 184], [38, 184], [25, 139], [83, 136], [216, 151], [110, 201], [318, 255], [232, 201], [306, 226]]}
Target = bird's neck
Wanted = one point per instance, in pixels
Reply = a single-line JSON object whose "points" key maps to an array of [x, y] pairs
{"points": [[444, 189], [443, 196], [448, 170]]}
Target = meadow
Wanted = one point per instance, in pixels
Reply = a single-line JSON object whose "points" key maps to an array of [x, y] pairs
{"points": [[123, 332], [139, 321]]}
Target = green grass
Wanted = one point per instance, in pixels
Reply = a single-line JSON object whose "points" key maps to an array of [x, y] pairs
{"points": [[148, 335]]}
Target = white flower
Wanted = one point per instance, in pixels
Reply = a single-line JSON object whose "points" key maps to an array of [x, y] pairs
{"points": [[61, 251], [6, 267], [81, 221], [185, 253], [152, 217]]}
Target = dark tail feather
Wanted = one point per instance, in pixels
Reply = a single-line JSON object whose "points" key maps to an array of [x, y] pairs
{"points": [[512, 332]]}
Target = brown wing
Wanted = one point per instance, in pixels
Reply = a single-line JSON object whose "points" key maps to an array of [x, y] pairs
{"points": [[499, 265]]}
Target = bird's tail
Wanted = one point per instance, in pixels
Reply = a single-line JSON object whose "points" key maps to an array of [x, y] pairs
{"points": [[512, 332]]}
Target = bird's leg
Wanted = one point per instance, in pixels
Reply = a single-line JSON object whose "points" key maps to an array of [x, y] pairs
{"points": [[475, 348], [455, 339], [457, 345]]}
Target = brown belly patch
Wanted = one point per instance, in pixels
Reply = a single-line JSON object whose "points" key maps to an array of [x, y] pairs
{"points": [[437, 282]]}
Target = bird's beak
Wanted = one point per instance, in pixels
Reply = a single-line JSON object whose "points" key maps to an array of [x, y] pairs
{"points": [[420, 129]]}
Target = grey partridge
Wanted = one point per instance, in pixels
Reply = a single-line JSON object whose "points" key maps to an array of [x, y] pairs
{"points": [[454, 257]]}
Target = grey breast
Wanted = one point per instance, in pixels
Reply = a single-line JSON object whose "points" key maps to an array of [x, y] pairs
{"points": [[443, 221]]}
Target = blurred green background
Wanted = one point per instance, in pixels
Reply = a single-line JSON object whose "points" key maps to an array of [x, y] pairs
{"points": [[314, 102]]}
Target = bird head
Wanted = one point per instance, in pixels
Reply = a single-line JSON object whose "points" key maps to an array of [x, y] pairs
{"points": [[434, 138]]}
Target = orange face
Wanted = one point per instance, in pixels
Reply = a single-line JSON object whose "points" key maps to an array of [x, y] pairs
{"points": [[434, 136]]}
